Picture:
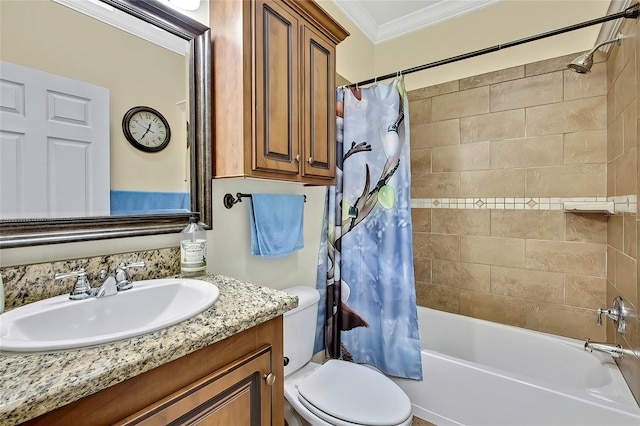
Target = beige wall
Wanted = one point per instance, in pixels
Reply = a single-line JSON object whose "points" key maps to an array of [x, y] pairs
{"points": [[530, 131], [229, 252], [622, 179], [49, 37]]}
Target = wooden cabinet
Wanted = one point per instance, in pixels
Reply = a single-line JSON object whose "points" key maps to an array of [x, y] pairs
{"points": [[239, 394], [274, 90], [237, 381]]}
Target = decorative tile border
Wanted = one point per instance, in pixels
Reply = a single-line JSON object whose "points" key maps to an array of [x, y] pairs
{"points": [[619, 204], [625, 203]]}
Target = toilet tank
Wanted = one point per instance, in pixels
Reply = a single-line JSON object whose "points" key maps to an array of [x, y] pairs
{"points": [[300, 328]]}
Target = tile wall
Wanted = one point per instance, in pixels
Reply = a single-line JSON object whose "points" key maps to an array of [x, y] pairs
{"points": [[516, 143], [622, 179], [495, 157]]}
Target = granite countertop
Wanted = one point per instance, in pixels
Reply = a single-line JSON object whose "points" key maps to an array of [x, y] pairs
{"points": [[34, 384]]}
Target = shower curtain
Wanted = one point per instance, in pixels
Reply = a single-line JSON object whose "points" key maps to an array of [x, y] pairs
{"points": [[365, 267]]}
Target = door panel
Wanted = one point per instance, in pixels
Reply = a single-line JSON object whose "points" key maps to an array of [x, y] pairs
{"points": [[319, 105], [277, 90], [55, 134], [237, 395]]}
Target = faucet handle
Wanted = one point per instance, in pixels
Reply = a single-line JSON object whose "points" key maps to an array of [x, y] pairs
{"points": [[82, 288], [618, 313], [126, 266], [122, 274]]}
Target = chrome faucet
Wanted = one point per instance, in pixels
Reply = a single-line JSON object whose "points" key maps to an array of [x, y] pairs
{"points": [[108, 287], [615, 351], [82, 288]]}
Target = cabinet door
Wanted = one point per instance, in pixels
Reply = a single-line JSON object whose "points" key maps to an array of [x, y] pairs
{"points": [[318, 104], [277, 137], [238, 394]]}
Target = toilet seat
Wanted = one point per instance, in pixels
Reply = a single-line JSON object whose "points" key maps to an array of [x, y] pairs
{"points": [[344, 393]]}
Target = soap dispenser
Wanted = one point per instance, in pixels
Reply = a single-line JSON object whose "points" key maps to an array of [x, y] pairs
{"points": [[193, 249]]}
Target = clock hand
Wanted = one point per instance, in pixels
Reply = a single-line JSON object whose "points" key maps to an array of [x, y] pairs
{"points": [[146, 131]]}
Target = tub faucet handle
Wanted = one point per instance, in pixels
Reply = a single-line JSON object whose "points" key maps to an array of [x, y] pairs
{"points": [[600, 311], [618, 313]]}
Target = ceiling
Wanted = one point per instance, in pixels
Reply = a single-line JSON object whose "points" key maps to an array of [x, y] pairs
{"points": [[382, 20]]}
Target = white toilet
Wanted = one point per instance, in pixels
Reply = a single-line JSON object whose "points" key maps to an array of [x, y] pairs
{"points": [[337, 392]]}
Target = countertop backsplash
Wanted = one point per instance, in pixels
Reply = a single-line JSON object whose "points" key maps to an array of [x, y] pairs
{"points": [[29, 283]]}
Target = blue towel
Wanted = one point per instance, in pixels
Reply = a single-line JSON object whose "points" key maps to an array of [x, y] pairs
{"points": [[276, 224]]}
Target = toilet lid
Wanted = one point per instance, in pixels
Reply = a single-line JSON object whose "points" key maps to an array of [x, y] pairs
{"points": [[355, 394]]}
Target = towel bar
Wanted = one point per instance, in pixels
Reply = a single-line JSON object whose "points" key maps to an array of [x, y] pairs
{"points": [[228, 200]]}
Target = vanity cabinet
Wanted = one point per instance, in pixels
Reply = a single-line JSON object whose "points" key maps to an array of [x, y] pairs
{"points": [[274, 90], [237, 381], [238, 394]]}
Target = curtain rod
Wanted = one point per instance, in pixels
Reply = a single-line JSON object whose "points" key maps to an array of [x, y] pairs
{"points": [[631, 12]]}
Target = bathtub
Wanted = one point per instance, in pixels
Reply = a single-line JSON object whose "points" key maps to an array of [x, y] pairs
{"points": [[482, 373]]}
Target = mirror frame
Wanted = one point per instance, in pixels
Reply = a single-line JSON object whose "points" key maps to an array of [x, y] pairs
{"points": [[33, 232]]}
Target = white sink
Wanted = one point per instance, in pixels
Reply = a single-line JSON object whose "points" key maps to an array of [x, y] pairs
{"points": [[59, 323]]}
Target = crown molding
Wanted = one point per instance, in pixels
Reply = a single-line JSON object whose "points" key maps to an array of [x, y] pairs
{"points": [[364, 20], [428, 16]]}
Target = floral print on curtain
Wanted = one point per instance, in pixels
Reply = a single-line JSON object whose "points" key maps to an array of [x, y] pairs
{"points": [[371, 314]]}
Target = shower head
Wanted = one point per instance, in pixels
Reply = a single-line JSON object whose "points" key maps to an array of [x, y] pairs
{"points": [[583, 63]]}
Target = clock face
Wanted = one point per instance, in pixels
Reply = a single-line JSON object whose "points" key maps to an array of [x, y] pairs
{"points": [[146, 129]]}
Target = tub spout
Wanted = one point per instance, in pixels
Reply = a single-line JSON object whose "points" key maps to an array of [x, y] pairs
{"points": [[614, 350]]}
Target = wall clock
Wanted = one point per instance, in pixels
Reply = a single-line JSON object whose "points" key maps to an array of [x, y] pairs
{"points": [[146, 129]]}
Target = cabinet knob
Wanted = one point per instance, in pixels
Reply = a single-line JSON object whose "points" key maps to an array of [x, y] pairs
{"points": [[310, 160], [270, 379], [297, 157]]}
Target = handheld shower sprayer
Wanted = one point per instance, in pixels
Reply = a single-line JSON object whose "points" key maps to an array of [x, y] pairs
{"points": [[583, 63]]}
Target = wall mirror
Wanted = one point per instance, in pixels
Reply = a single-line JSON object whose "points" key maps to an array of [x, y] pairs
{"points": [[184, 166]]}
